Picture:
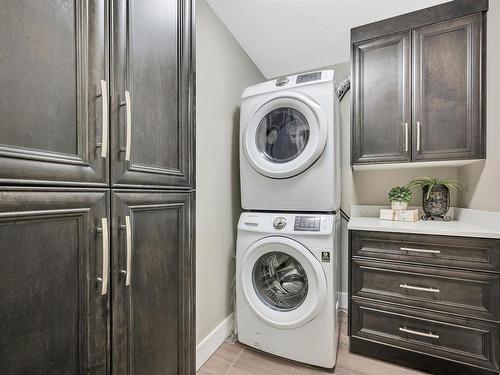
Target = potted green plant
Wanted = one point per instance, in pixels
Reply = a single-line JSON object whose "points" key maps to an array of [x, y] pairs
{"points": [[399, 196], [436, 195]]}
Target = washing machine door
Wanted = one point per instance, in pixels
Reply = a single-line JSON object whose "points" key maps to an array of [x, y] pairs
{"points": [[285, 135], [283, 283]]}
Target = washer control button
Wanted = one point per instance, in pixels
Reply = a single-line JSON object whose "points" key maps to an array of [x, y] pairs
{"points": [[279, 222], [282, 81]]}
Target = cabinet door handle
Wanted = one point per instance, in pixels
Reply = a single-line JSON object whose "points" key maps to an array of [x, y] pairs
{"points": [[406, 137], [105, 119], [419, 333], [128, 235], [105, 256], [128, 131], [429, 289], [426, 251], [418, 135]]}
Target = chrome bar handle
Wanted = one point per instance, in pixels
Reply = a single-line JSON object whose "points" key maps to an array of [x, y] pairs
{"points": [[128, 143], [128, 231], [418, 333], [426, 251], [418, 135], [105, 256], [429, 289], [105, 119], [406, 137]]}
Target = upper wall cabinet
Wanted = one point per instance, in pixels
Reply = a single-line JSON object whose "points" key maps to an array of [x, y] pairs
{"points": [[152, 125], [53, 74], [418, 86], [382, 106], [447, 118]]}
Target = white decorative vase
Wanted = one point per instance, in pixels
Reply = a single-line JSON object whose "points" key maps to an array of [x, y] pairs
{"points": [[399, 206]]}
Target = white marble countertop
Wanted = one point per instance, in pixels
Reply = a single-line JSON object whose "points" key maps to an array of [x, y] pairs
{"points": [[466, 223]]}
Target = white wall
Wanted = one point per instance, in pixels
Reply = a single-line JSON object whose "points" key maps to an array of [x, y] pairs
{"points": [[223, 70], [483, 179]]}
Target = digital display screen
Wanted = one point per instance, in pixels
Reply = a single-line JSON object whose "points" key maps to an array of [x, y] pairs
{"points": [[307, 223], [308, 77]]}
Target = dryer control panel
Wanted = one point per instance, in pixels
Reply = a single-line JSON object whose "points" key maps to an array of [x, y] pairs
{"points": [[307, 223]]}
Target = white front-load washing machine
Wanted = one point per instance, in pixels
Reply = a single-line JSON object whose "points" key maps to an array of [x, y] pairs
{"points": [[290, 144], [287, 281]]}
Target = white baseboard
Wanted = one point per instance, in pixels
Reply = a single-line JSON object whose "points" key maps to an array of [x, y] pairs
{"points": [[343, 301], [211, 343]]}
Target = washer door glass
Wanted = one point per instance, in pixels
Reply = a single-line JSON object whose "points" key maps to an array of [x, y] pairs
{"points": [[282, 134], [280, 281]]}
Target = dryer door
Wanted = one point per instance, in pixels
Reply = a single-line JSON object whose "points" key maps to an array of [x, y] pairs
{"points": [[283, 282], [285, 135]]}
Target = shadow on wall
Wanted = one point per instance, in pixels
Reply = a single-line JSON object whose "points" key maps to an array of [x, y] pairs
{"points": [[235, 187], [471, 178], [235, 165]]}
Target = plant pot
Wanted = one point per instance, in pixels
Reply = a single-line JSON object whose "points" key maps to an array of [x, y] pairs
{"points": [[437, 204], [398, 205]]}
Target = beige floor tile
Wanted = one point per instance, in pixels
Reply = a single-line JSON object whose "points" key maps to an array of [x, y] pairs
{"points": [[236, 359], [230, 351]]}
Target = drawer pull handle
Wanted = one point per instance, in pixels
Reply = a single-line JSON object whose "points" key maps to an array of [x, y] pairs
{"points": [[406, 286], [418, 333], [412, 250]]}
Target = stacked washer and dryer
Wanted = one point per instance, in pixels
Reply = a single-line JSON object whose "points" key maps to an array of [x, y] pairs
{"points": [[287, 256]]}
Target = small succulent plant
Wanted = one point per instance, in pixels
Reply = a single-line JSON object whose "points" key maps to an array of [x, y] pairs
{"points": [[400, 194]]}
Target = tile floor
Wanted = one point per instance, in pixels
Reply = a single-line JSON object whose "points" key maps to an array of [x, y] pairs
{"points": [[236, 359]]}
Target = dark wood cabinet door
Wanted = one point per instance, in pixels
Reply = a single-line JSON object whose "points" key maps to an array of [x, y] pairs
{"points": [[53, 311], [153, 285], [381, 100], [447, 90], [53, 57], [152, 128]]}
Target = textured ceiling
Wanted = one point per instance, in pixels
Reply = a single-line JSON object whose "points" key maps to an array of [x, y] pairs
{"points": [[286, 36]]}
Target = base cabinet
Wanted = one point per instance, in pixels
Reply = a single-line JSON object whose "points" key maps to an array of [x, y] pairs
{"points": [[425, 301], [58, 271], [152, 283], [53, 309]]}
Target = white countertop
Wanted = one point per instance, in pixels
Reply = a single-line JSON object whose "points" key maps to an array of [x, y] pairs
{"points": [[467, 223]]}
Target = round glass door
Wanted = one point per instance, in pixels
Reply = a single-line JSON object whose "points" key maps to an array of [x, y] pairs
{"points": [[284, 135], [280, 281]]}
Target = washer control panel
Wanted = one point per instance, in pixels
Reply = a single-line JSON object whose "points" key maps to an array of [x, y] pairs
{"points": [[279, 222], [307, 223]]}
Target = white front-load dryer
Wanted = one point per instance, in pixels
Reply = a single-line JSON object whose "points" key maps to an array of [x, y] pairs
{"points": [[287, 280], [290, 144]]}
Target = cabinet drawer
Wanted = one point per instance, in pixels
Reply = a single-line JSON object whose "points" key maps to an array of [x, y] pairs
{"points": [[459, 252], [474, 294], [458, 339]]}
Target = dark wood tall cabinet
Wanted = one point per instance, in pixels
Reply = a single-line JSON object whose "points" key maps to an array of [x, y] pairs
{"points": [[418, 86], [152, 282], [53, 70], [54, 289], [151, 94], [97, 192]]}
